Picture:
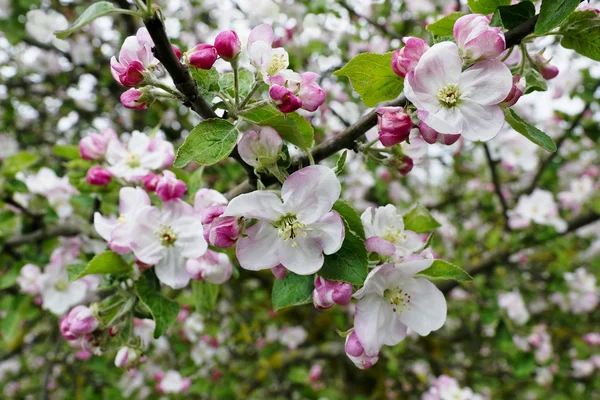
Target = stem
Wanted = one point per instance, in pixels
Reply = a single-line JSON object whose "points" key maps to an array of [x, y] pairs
{"points": [[236, 83], [257, 105], [497, 185], [140, 4], [524, 56], [249, 96], [123, 311], [508, 54]]}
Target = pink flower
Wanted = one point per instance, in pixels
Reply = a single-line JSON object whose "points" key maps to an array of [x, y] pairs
{"points": [[406, 165], [515, 307], [406, 59], [223, 232], [98, 176], [452, 101], [538, 207], [431, 135], [202, 56], [476, 39], [284, 99], [329, 293], [394, 125], [291, 91], [150, 181], [78, 322], [228, 45], [93, 146], [135, 57], [356, 352], [134, 100], [315, 372], [279, 271], [28, 279], [260, 146], [169, 187], [140, 155], [126, 357], [515, 92], [295, 230], [212, 267], [176, 51], [268, 60], [592, 339]]}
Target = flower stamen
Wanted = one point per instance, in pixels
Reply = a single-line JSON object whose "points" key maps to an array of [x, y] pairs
{"points": [[449, 96]]}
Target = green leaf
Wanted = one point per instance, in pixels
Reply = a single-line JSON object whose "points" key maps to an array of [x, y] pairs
{"points": [[104, 263], [581, 32], [553, 13], [350, 262], [513, 16], [534, 81], [444, 270], [164, 311], [293, 290], [419, 220], [18, 162], [208, 143], [341, 162], [372, 77], [9, 223], [94, 11], [444, 26], [486, 6], [68, 151], [245, 83], [205, 296], [292, 126], [16, 186], [207, 80], [529, 131]]}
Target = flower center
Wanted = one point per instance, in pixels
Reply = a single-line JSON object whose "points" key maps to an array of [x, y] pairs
{"points": [[277, 63], [133, 160], [397, 298], [61, 286], [394, 235], [122, 219], [166, 235], [449, 96], [288, 227]]}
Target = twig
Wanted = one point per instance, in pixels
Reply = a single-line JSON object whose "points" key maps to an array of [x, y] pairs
{"points": [[41, 234], [497, 186], [384, 29]]}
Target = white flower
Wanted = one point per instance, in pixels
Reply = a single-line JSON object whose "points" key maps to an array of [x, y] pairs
{"points": [[538, 207], [58, 294], [293, 336], [266, 59], [580, 190], [135, 160], [56, 190], [514, 305], [41, 25], [384, 230]]}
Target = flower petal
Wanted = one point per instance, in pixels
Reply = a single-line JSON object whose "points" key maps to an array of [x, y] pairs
{"points": [[132, 199], [190, 236], [376, 281], [427, 309], [481, 123], [104, 226], [302, 256], [170, 270], [259, 249], [258, 204], [439, 66], [145, 244], [369, 323], [487, 82], [329, 230], [261, 33], [379, 245]]}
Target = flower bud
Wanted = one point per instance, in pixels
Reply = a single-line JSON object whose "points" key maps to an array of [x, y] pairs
{"points": [[315, 372], [476, 39], [223, 232], [515, 92], [284, 99], [405, 60], [329, 293], [310, 93], [29, 278], [394, 125], [406, 165], [134, 99], [93, 146], [212, 267], [98, 176], [547, 70], [78, 322], [150, 180], [279, 271], [260, 147], [126, 357], [356, 352], [592, 339], [228, 45], [431, 136], [176, 51], [169, 187], [202, 56]]}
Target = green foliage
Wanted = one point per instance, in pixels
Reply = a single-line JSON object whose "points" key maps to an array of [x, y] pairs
{"points": [[66, 151], [372, 77], [534, 81], [205, 296], [18, 162], [9, 223], [209, 142], [245, 83], [292, 127], [513, 16], [486, 6], [553, 13], [581, 32], [164, 311], [444, 270], [293, 290], [419, 220], [207, 80], [444, 26], [96, 10], [529, 131], [341, 163], [104, 263]]}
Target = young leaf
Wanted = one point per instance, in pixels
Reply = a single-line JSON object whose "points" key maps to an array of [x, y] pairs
{"points": [[207, 80], [67, 151], [372, 77], [581, 32], [292, 127], [444, 26], [553, 13], [444, 270], [529, 131], [104, 263], [18, 162], [205, 296], [486, 6], [164, 311], [208, 143], [96, 10], [341, 162], [419, 220], [293, 290], [351, 217], [513, 16], [245, 82], [534, 81]]}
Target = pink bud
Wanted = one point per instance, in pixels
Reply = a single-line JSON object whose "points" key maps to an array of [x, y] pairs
{"points": [[260, 147], [133, 75], [549, 71], [431, 136], [93, 146], [150, 181], [78, 322], [406, 165], [176, 51], [279, 271], [406, 59], [394, 125], [315, 372], [356, 352], [310, 93], [126, 357], [223, 232], [212, 267], [83, 355], [228, 45], [476, 39], [284, 99], [169, 187], [329, 293], [202, 56], [592, 339], [98, 176], [515, 92], [132, 99]]}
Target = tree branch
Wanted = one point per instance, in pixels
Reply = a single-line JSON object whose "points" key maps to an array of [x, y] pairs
{"points": [[41, 234], [382, 28], [497, 187]]}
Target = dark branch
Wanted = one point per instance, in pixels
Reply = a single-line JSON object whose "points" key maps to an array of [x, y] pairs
{"points": [[497, 186], [382, 28]]}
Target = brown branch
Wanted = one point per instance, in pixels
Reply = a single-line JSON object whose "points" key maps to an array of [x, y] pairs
{"points": [[497, 185], [41, 234], [382, 28]]}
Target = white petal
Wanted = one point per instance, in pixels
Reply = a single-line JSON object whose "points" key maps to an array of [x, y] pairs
{"points": [[132, 199], [175, 209], [145, 244], [310, 192], [370, 322], [329, 230], [394, 331], [481, 123], [259, 204], [259, 249], [104, 226], [261, 33], [486, 83], [303, 256], [190, 238], [427, 309], [170, 270], [438, 67], [376, 282], [205, 198]]}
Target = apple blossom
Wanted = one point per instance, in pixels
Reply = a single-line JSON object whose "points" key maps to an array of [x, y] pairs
{"points": [[41, 25], [165, 238], [212, 267], [516, 152], [93, 146], [329, 293], [515, 92], [228, 45], [222, 232], [169, 187], [177, 51], [294, 232], [202, 56], [592, 338], [456, 102], [514, 305], [432, 136], [126, 357], [135, 58], [394, 125], [134, 99], [260, 146], [292, 337], [79, 321], [28, 279], [268, 60], [150, 180], [135, 159], [385, 233], [580, 190], [356, 352], [279, 271], [547, 70], [476, 39], [291, 91], [393, 300], [406, 59], [538, 207], [58, 294], [98, 176], [172, 382]]}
